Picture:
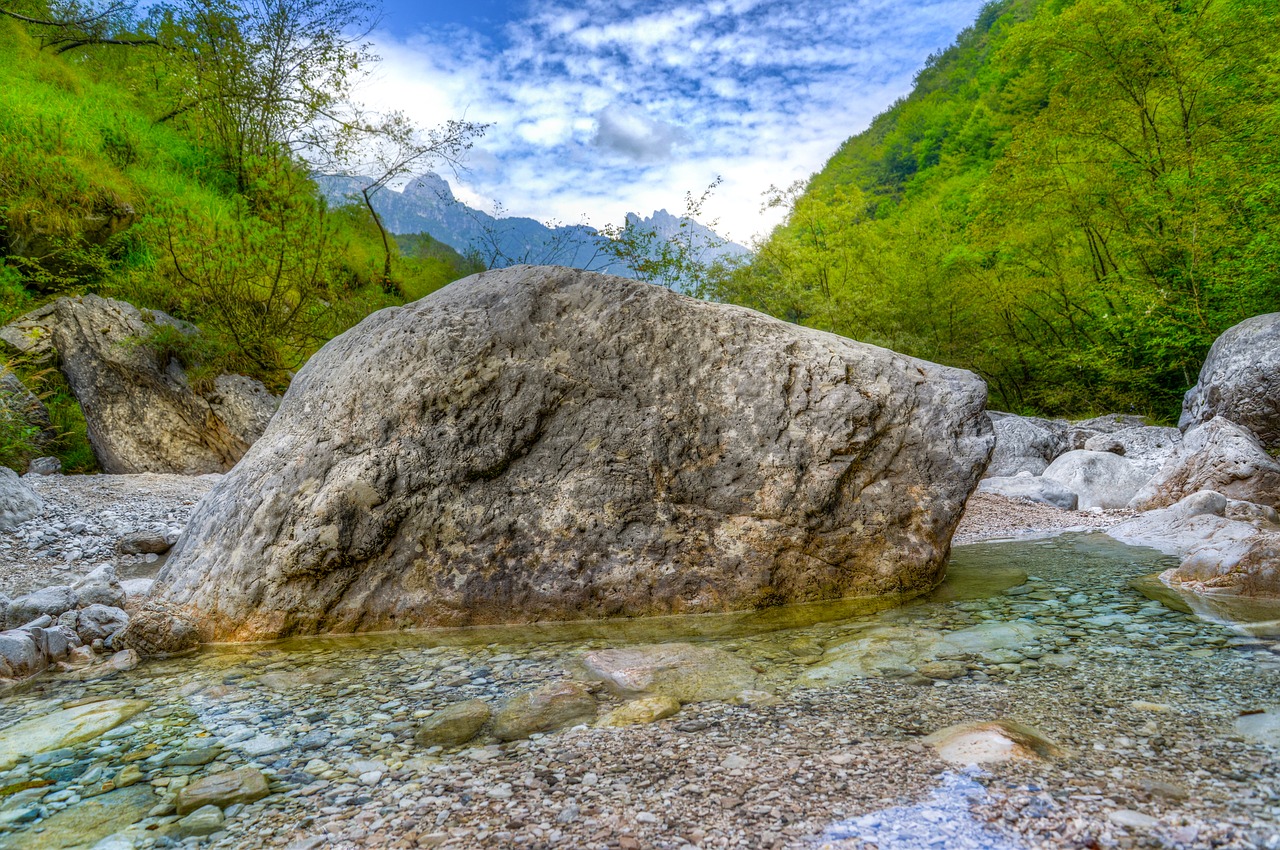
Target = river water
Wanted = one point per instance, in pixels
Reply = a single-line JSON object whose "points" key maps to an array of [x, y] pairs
{"points": [[1163, 720]]}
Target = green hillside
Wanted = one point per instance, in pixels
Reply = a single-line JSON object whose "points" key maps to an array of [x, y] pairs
{"points": [[1074, 200], [117, 176]]}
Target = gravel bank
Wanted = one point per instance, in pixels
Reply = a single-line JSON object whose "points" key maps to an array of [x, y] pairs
{"points": [[991, 517], [84, 518]]}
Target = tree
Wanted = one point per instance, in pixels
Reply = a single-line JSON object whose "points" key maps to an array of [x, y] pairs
{"points": [[674, 260], [267, 79], [397, 149], [66, 26]]}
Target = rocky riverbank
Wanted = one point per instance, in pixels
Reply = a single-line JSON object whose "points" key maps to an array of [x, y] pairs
{"points": [[84, 520], [1156, 713]]}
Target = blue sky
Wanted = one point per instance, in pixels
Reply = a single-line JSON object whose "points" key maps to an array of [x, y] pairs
{"points": [[600, 107]]}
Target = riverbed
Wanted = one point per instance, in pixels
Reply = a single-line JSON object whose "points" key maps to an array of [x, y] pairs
{"points": [[1163, 719]]}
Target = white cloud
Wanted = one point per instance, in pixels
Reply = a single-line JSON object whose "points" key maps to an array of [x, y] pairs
{"points": [[608, 106], [628, 131]]}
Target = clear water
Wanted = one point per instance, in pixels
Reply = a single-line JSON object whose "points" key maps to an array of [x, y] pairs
{"points": [[1141, 692]]}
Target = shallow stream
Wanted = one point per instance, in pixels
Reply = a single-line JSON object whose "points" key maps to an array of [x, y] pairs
{"points": [[1164, 718]]}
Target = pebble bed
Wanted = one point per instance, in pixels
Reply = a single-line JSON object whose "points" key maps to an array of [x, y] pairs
{"points": [[1144, 700], [83, 520]]}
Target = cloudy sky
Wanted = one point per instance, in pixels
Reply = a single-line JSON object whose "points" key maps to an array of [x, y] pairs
{"points": [[600, 107]]}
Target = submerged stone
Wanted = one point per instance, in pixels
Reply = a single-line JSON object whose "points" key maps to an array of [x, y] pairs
{"points": [[245, 785], [544, 709], [83, 824], [63, 728], [454, 725], [644, 710], [991, 741], [683, 671]]}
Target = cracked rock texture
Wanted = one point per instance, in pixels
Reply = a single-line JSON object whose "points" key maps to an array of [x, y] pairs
{"points": [[142, 413], [1240, 380], [540, 443]]}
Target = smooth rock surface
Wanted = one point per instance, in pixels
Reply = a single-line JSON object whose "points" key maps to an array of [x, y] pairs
{"points": [[1240, 381], [454, 725], [1218, 455], [244, 785], [992, 741], [50, 601], [63, 728], [18, 502], [205, 820], [643, 710], [542, 443], [1147, 447], [141, 411], [87, 822], [544, 709], [1099, 479], [1227, 546], [1022, 445], [683, 671], [1035, 488]]}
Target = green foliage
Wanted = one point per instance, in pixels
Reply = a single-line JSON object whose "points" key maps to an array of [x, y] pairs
{"points": [[429, 264], [673, 261], [1075, 200], [67, 437], [17, 436], [128, 173], [71, 438]]}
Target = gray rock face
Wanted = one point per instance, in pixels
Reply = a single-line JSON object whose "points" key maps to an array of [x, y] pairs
{"points": [[101, 587], [1099, 479], [1147, 447], [142, 414], [1035, 488], [156, 633], [44, 466], [18, 502], [245, 405], [542, 443], [1022, 445], [1240, 381], [1218, 455], [97, 622], [1227, 546], [51, 601]]}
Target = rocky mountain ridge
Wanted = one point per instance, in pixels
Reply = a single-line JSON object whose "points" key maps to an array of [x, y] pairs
{"points": [[427, 205]]}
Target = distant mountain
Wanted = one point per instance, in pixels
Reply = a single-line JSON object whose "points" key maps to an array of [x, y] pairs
{"points": [[427, 205], [708, 246]]}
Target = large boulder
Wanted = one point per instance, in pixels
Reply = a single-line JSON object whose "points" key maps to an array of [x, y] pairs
{"points": [[18, 502], [544, 443], [1226, 546], [1147, 447], [142, 413], [1218, 455], [1023, 445], [1033, 488], [1240, 380], [1099, 479]]}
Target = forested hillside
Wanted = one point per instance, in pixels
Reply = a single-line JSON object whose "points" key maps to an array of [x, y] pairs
{"points": [[1076, 198], [165, 161]]}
